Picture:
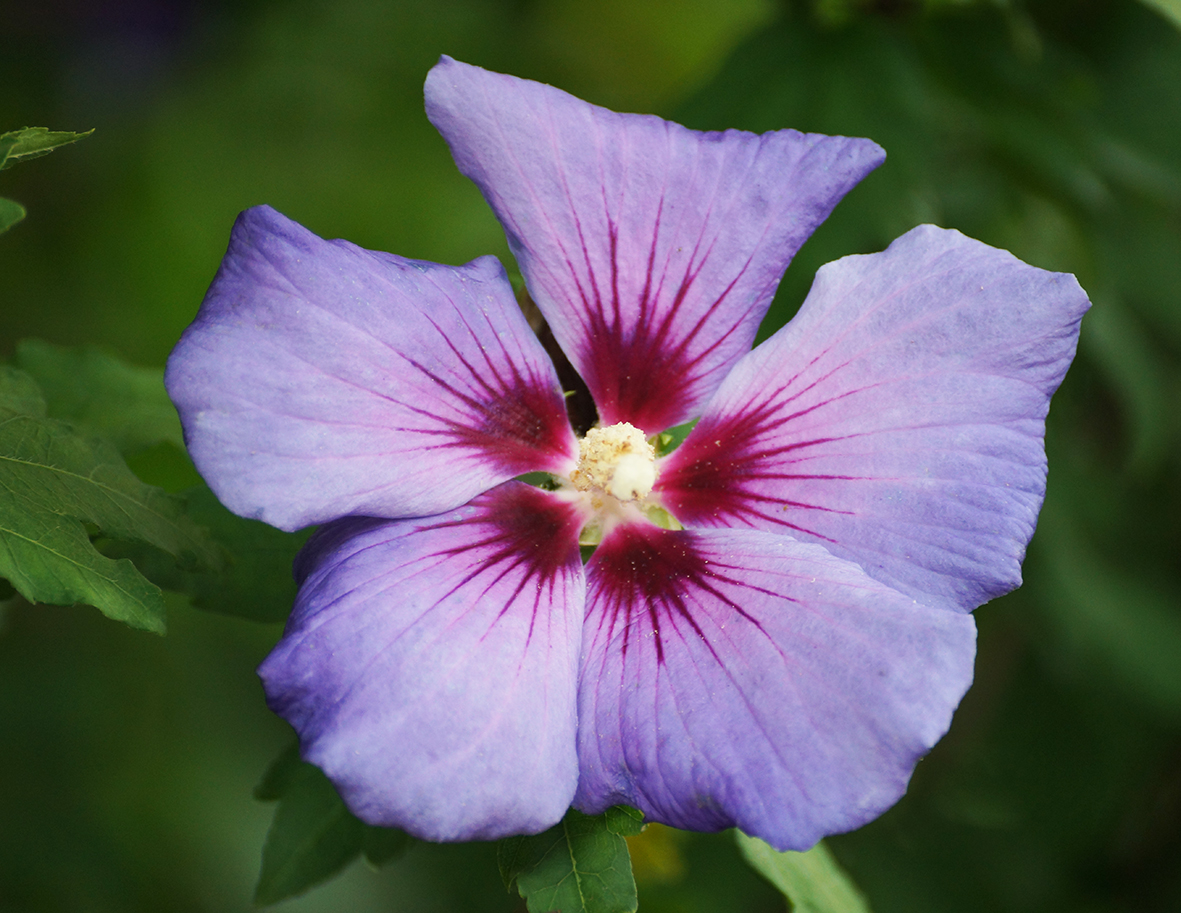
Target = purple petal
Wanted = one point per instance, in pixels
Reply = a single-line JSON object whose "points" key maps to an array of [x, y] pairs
{"points": [[320, 380], [652, 250], [740, 678], [429, 666], [898, 420]]}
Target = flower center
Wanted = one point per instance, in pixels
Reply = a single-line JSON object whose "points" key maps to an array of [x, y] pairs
{"points": [[615, 460]]}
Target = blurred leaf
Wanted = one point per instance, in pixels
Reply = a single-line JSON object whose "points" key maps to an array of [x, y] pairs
{"points": [[578, 866], [384, 844], [812, 881], [253, 578], [52, 481], [981, 126], [282, 772], [1171, 9], [11, 212], [1106, 615], [1117, 341], [85, 386], [312, 837], [33, 142], [19, 393]]}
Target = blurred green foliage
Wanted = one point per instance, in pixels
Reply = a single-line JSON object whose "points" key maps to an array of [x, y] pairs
{"points": [[20, 146], [1049, 127]]}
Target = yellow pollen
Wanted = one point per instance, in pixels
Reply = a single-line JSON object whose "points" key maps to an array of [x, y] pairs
{"points": [[616, 460]]}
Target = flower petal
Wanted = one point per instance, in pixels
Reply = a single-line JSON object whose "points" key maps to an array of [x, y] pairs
{"points": [[429, 666], [741, 678], [320, 380], [652, 250], [898, 420]]}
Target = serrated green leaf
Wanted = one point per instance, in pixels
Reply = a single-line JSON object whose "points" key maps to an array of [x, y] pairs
{"points": [[312, 837], [46, 465], [577, 866], [52, 481], [49, 558], [127, 404], [813, 881], [11, 212], [87, 387], [32, 142]]}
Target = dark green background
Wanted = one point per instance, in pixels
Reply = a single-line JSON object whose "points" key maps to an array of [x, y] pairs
{"points": [[1051, 128]]}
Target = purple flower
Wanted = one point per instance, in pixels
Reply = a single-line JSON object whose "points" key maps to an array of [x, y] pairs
{"points": [[775, 625]]}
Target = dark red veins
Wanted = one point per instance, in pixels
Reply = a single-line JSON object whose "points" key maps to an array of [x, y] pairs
{"points": [[514, 416], [644, 361], [520, 533], [742, 467], [653, 585]]}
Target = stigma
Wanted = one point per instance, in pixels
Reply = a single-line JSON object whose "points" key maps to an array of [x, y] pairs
{"points": [[615, 460]]}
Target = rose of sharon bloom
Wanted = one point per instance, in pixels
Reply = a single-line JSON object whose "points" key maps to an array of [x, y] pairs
{"points": [[779, 654]]}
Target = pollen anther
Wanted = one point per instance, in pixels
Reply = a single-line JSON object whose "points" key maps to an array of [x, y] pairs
{"points": [[616, 460]]}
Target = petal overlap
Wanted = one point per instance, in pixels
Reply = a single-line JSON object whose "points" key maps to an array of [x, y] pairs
{"points": [[898, 420], [742, 678], [321, 380], [780, 660], [652, 250], [430, 665]]}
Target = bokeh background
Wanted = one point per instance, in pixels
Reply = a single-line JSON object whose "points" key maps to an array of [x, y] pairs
{"points": [[1049, 127]]}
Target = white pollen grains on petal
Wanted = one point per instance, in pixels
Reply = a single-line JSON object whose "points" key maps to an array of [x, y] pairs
{"points": [[652, 250], [430, 665], [321, 380], [737, 678], [898, 420]]}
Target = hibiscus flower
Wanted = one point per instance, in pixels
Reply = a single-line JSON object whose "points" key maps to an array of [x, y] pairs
{"points": [[774, 626]]}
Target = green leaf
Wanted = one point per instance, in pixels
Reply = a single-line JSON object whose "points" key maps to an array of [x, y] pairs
{"points": [[48, 558], [1129, 358], [282, 772], [11, 212], [249, 572], [670, 440], [52, 481], [811, 881], [624, 820], [384, 844], [124, 403], [33, 142], [253, 579], [312, 837], [1113, 619], [578, 866], [19, 393], [1170, 9]]}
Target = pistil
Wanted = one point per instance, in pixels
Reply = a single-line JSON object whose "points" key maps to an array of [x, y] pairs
{"points": [[615, 460]]}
